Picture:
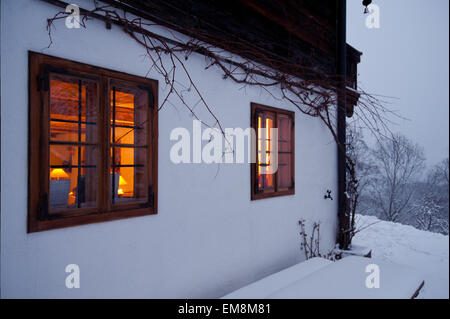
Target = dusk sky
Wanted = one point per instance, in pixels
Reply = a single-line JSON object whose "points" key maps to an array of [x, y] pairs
{"points": [[408, 58]]}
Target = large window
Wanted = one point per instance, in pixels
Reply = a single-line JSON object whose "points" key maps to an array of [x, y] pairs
{"points": [[92, 144], [277, 178]]}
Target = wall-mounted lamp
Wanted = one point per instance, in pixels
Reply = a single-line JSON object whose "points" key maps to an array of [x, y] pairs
{"points": [[366, 3]]}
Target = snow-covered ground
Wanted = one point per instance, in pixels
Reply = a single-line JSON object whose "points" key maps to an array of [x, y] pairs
{"points": [[425, 251]]}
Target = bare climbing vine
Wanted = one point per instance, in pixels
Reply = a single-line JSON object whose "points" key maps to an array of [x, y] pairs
{"points": [[314, 96]]}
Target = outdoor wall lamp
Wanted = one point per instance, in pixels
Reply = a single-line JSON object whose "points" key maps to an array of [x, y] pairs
{"points": [[366, 4]]}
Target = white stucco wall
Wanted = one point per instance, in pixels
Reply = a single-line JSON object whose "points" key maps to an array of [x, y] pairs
{"points": [[208, 238]]}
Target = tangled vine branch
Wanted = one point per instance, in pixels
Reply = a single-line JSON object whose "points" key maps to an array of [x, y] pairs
{"points": [[309, 90]]}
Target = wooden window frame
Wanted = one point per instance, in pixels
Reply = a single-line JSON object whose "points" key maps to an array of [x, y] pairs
{"points": [[255, 195], [39, 219]]}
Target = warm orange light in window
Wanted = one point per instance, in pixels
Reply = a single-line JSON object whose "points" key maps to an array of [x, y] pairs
{"points": [[58, 174], [124, 108], [269, 124], [125, 114], [61, 90], [259, 152], [124, 99], [122, 181], [267, 141]]}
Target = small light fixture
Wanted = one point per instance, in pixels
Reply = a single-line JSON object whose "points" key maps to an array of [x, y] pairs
{"points": [[122, 182], [58, 174], [366, 3]]}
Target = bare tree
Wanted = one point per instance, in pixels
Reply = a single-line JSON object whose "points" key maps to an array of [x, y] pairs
{"points": [[360, 173], [440, 173], [438, 182], [399, 163], [428, 215], [431, 212]]}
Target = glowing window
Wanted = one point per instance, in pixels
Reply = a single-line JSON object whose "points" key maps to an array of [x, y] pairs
{"points": [[92, 144], [129, 146], [277, 178], [72, 143]]}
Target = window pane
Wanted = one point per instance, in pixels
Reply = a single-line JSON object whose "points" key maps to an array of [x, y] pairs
{"points": [[73, 99], [128, 156], [284, 171], [128, 135], [265, 123], [70, 132], [265, 181], [67, 155], [259, 147], [284, 133], [69, 191], [129, 179], [73, 124], [72, 185], [129, 107], [129, 116]]}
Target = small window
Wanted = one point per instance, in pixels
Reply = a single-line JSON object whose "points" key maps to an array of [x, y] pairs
{"points": [[267, 181], [92, 144]]}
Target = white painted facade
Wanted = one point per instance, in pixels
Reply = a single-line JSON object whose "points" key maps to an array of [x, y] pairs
{"points": [[208, 237]]}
